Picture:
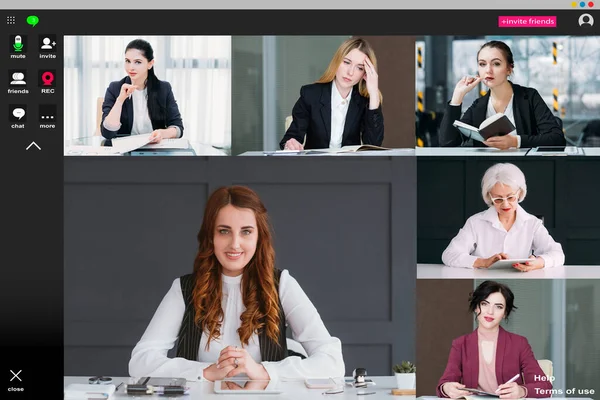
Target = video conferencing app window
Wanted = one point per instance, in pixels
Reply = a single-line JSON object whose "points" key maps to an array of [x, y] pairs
{"points": [[108, 209]]}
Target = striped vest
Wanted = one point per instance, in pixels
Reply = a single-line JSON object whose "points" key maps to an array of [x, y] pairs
{"points": [[188, 342]]}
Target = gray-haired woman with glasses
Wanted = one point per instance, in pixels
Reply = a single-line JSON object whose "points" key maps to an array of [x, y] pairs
{"points": [[505, 230]]}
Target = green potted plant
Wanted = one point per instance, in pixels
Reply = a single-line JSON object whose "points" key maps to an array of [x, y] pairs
{"points": [[406, 375]]}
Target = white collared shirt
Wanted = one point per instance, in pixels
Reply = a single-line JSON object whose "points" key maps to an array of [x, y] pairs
{"points": [[141, 117], [483, 236], [339, 109], [509, 112], [149, 357]]}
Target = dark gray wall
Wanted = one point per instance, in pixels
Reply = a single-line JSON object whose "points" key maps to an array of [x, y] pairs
{"points": [[345, 228], [562, 190]]}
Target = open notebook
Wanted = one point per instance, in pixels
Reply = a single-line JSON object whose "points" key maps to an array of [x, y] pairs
{"points": [[496, 125]]}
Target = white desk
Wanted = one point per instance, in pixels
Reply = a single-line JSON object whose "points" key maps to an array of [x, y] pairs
{"points": [[292, 391], [553, 398], [490, 151], [380, 153], [439, 271], [200, 149], [467, 151]]}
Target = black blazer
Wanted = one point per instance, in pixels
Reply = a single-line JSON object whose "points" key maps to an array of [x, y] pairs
{"points": [[165, 98], [312, 117], [533, 120]]}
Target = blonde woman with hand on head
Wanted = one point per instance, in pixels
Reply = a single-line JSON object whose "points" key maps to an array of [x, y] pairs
{"points": [[343, 108]]}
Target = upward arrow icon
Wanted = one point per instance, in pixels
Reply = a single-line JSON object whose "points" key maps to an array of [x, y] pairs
{"points": [[33, 144]]}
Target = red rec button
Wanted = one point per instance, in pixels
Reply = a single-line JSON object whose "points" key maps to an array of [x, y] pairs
{"points": [[524, 21]]}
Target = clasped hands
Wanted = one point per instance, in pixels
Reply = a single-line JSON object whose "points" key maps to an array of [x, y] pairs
{"points": [[235, 361], [535, 263]]}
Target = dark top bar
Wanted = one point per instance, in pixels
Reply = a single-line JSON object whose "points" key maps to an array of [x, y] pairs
{"points": [[299, 22]]}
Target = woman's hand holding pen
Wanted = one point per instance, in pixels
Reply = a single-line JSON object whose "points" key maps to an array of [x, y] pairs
{"points": [[510, 391], [156, 136], [372, 80], [453, 390], [464, 86], [242, 363], [535, 263], [487, 262], [126, 90], [293, 144]]}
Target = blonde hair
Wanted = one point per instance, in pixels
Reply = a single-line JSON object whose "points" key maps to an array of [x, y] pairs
{"points": [[353, 43]]}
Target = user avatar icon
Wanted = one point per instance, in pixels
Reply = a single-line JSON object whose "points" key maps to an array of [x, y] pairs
{"points": [[586, 19], [18, 78], [47, 43]]}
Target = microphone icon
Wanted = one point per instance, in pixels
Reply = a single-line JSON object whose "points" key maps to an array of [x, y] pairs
{"points": [[18, 45]]}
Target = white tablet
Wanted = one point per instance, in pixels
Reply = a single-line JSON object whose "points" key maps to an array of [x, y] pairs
{"points": [[246, 386], [508, 264]]}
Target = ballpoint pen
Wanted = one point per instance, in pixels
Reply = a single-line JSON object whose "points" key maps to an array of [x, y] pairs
{"points": [[514, 378]]}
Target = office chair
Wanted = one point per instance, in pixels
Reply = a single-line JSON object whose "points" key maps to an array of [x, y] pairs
{"points": [[288, 122], [99, 102], [546, 366], [295, 347], [559, 122]]}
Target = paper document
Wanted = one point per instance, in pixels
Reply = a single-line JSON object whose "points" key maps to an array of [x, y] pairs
{"points": [[91, 151], [178, 143], [128, 143]]}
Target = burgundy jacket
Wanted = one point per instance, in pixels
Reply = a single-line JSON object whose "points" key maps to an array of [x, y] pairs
{"points": [[513, 356]]}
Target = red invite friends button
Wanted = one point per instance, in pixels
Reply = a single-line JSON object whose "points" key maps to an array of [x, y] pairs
{"points": [[527, 21]]}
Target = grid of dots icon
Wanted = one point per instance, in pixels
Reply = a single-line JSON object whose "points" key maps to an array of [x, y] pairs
{"points": [[11, 20], [582, 4]]}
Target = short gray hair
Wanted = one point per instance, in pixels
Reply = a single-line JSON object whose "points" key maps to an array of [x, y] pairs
{"points": [[505, 174]]}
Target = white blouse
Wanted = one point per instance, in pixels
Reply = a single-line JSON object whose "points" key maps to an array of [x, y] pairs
{"points": [[141, 116], [483, 236], [509, 112], [339, 110], [149, 357]]}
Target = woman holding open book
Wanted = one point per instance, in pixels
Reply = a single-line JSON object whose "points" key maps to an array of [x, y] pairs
{"points": [[343, 108], [140, 103], [532, 121], [505, 231], [490, 359], [229, 316]]}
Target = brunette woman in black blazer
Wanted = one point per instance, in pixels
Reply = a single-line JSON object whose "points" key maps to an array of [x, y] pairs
{"points": [[535, 125], [343, 107], [140, 103]]}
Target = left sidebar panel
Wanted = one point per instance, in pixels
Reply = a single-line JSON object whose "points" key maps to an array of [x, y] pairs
{"points": [[31, 286]]}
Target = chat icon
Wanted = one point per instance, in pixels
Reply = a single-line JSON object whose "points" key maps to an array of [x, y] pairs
{"points": [[33, 20], [19, 113]]}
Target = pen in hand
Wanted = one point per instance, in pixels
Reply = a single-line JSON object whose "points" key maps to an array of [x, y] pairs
{"points": [[514, 378]]}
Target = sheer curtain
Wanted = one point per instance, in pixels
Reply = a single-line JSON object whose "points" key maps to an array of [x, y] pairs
{"points": [[197, 67]]}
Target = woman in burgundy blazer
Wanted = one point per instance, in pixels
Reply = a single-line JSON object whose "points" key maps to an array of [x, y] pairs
{"points": [[492, 302]]}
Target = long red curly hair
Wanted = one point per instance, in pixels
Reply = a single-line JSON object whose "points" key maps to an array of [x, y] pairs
{"points": [[259, 294]]}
